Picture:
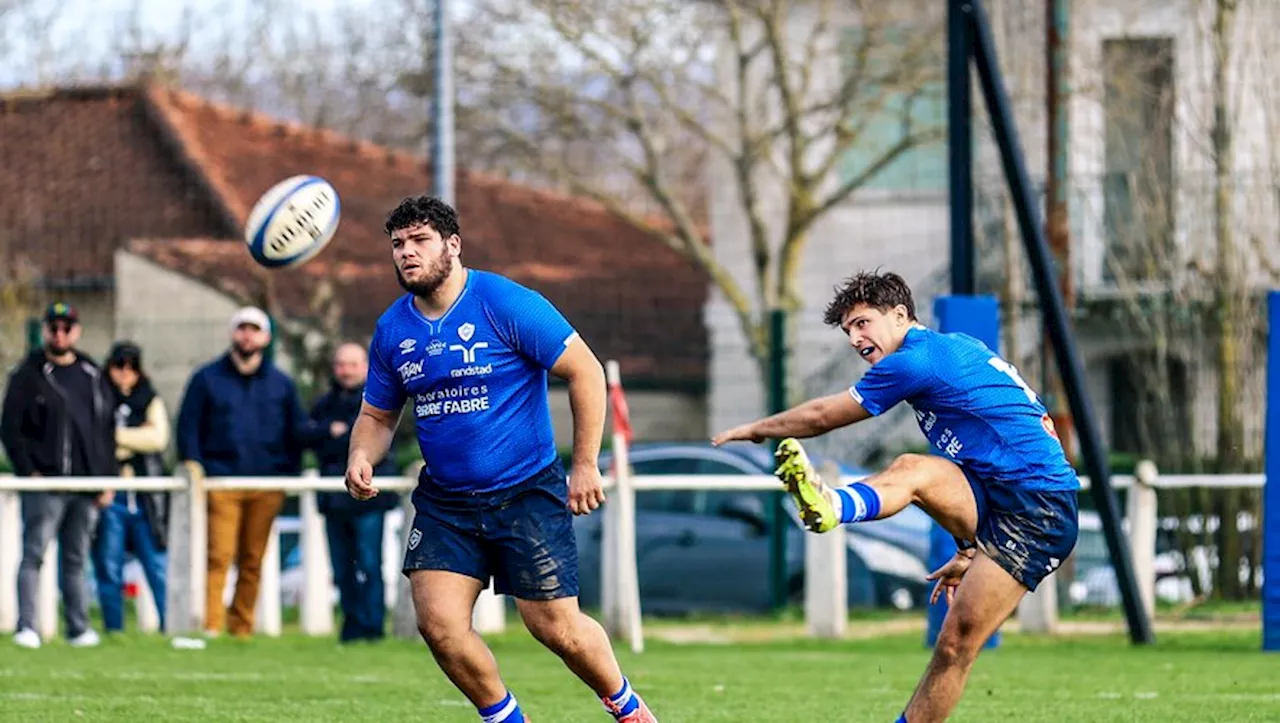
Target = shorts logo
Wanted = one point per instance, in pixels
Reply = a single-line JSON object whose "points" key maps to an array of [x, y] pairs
{"points": [[415, 536]]}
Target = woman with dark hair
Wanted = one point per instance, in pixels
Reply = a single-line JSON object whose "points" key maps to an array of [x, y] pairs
{"points": [[135, 521]]}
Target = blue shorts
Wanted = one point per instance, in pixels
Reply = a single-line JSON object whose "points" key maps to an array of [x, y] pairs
{"points": [[521, 536], [1027, 532]]}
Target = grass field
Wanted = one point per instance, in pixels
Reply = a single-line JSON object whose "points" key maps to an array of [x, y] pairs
{"points": [[1189, 676]]}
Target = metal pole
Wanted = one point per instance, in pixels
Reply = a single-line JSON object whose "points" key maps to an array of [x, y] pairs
{"points": [[778, 403], [960, 146], [1032, 227], [442, 151], [1057, 29]]}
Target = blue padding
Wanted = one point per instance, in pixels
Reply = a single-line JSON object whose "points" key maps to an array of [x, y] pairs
{"points": [[1271, 492], [979, 317]]}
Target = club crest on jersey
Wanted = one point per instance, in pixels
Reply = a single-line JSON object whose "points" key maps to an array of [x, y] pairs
{"points": [[466, 331]]}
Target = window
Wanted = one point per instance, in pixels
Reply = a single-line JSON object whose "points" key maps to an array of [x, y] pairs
{"points": [[665, 500], [887, 97], [1138, 180]]}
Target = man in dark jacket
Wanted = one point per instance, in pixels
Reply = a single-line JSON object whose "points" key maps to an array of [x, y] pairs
{"points": [[241, 417], [58, 422], [354, 527]]}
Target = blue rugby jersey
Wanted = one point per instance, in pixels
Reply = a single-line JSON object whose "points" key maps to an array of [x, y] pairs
{"points": [[476, 379], [973, 407]]}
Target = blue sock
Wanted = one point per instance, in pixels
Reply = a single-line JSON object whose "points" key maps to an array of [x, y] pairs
{"points": [[858, 502], [506, 710], [624, 702], [902, 718]]}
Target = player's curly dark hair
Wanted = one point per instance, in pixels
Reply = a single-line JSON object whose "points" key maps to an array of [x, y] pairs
{"points": [[424, 209], [879, 291]]}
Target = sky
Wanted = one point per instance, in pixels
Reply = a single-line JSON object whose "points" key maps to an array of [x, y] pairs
{"points": [[83, 29]]}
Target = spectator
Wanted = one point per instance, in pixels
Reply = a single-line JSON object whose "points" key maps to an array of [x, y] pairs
{"points": [[57, 422], [354, 527], [240, 416], [134, 521]]}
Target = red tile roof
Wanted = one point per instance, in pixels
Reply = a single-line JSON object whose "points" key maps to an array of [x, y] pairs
{"points": [[104, 181]]}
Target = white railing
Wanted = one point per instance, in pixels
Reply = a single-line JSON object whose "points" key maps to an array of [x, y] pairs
{"points": [[187, 550], [825, 555]]}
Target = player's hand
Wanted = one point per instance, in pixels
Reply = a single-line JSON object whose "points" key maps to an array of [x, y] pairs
{"points": [[743, 432], [586, 490], [949, 576], [359, 478]]}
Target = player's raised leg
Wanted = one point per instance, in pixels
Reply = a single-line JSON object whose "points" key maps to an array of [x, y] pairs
{"points": [[584, 647], [938, 486], [443, 602], [987, 595]]}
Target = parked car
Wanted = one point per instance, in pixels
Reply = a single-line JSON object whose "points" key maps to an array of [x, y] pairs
{"points": [[1095, 580], [708, 550]]}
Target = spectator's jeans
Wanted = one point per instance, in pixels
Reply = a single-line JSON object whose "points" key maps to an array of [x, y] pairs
{"points": [[239, 527], [120, 528], [71, 516], [355, 547]]}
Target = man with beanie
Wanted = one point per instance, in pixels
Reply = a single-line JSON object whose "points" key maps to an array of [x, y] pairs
{"points": [[134, 521], [241, 416]]}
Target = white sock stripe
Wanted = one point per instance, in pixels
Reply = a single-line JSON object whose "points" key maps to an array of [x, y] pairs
{"points": [[502, 714], [859, 505]]}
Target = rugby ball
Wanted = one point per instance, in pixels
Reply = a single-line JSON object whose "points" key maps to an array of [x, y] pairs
{"points": [[293, 221]]}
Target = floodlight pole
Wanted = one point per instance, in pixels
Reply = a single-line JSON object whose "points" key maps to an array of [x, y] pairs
{"points": [[441, 156]]}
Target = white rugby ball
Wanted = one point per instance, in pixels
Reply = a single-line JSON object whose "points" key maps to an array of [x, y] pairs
{"points": [[293, 221]]}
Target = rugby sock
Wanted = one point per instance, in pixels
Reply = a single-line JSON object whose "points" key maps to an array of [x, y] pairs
{"points": [[902, 718], [624, 702], [506, 710], [858, 502]]}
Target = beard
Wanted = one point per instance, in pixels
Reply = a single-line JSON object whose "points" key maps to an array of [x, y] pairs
{"points": [[56, 349], [244, 352], [434, 272]]}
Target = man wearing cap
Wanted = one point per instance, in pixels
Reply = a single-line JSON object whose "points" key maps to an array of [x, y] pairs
{"points": [[58, 421], [241, 417]]}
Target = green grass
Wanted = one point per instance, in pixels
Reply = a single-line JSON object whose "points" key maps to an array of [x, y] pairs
{"points": [[1218, 676]]}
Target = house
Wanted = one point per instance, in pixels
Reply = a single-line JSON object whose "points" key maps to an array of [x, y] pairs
{"points": [[130, 202], [1141, 209]]}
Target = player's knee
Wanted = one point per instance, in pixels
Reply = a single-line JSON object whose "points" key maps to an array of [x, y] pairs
{"points": [[557, 632], [441, 635], [957, 645], [907, 471]]}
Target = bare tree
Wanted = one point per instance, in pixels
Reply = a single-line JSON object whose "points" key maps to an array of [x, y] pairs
{"points": [[780, 92]]}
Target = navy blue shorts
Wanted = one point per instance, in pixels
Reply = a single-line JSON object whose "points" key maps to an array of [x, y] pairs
{"points": [[1027, 532], [521, 536]]}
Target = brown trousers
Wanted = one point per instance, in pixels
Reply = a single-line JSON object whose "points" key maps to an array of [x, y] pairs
{"points": [[239, 527]]}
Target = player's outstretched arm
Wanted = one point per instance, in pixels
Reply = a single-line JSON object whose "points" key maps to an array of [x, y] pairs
{"points": [[371, 438], [579, 367], [814, 417]]}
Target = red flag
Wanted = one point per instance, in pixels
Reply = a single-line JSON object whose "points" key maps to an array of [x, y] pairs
{"points": [[621, 417]]}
